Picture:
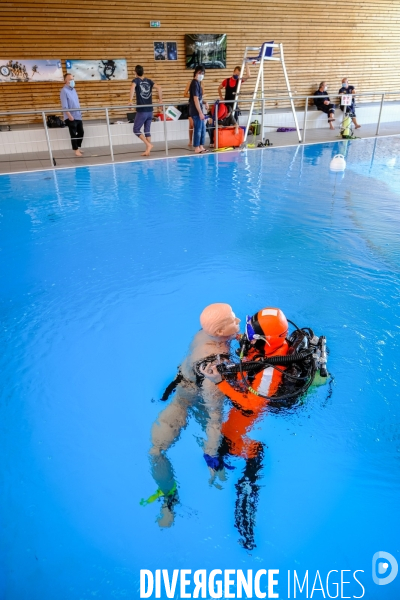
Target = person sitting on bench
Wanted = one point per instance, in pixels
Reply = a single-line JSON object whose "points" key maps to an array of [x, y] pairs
{"points": [[349, 110], [325, 104]]}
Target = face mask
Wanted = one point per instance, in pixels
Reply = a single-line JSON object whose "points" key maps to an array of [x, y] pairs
{"points": [[235, 76], [326, 88], [345, 85], [72, 83], [200, 77]]}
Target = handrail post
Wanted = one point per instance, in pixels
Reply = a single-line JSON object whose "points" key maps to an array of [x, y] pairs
{"points": [[262, 119], [305, 120], [380, 114], [109, 136], [48, 139], [165, 129], [216, 126], [289, 92]]}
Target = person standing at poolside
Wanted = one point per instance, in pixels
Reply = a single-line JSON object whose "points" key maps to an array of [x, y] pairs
{"points": [[142, 87], [73, 118], [196, 110], [230, 85], [186, 94]]}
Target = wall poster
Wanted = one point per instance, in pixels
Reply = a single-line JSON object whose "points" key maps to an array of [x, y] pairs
{"points": [[172, 51], [208, 49], [160, 51], [165, 51], [97, 70], [25, 70]]}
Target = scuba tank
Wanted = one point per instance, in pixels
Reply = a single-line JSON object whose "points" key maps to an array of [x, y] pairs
{"points": [[347, 132], [307, 355]]}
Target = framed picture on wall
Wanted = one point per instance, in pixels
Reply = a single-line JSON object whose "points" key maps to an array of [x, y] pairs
{"points": [[172, 51], [208, 49], [35, 69], [159, 51], [106, 69]]}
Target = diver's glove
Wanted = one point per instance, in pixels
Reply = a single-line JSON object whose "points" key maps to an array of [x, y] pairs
{"points": [[216, 462]]}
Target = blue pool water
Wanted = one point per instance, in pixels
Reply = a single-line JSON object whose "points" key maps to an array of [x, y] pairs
{"points": [[104, 272]]}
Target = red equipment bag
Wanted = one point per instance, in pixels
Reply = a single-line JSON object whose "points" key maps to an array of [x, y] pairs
{"points": [[161, 117], [227, 137]]}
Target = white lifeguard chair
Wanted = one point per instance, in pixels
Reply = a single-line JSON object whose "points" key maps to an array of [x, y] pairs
{"points": [[265, 53]]}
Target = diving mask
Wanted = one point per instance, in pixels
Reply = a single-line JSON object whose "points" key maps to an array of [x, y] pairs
{"points": [[270, 340]]}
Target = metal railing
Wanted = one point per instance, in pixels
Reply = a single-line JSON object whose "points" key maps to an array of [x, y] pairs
{"points": [[260, 102], [365, 94]]}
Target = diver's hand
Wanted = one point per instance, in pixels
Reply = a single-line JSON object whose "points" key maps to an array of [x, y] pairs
{"points": [[211, 372]]}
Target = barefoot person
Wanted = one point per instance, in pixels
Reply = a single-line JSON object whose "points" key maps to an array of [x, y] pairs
{"points": [[186, 94], [325, 103], [73, 118], [349, 110], [142, 87], [196, 111]]}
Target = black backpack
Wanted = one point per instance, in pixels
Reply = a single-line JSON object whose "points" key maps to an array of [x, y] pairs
{"points": [[54, 121], [184, 108]]}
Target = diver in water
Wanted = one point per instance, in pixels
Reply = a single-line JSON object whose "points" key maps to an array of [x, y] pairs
{"points": [[274, 371], [194, 395]]}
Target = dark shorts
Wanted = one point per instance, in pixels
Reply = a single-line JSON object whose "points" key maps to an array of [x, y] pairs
{"points": [[327, 108], [142, 118]]}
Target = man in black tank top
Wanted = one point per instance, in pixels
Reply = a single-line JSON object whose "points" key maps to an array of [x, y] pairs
{"points": [[231, 84]]}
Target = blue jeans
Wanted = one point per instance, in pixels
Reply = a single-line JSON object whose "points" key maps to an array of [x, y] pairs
{"points": [[199, 132]]}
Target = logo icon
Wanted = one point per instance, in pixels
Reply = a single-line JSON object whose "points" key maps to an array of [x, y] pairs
{"points": [[384, 568]]}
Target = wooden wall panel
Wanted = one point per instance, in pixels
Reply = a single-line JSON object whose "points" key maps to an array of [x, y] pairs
{"points": [[323, 39]]}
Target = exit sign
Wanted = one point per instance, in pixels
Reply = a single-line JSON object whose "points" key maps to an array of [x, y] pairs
{"points": [[155, 23]]}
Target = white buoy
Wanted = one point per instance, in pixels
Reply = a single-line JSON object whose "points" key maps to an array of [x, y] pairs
{"points": [[338, 163]]}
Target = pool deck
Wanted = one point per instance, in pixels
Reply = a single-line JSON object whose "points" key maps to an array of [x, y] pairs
{"points": [[29, 161]]}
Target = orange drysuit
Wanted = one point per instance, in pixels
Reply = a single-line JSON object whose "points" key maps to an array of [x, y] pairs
{"points": [[247, 407]]}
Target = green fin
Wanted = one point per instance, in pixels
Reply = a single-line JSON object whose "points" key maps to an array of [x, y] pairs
{"points": [[152, 498], [158, 494]]}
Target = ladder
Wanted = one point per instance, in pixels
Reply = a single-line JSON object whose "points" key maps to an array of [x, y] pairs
{"points": [[265, 52]]}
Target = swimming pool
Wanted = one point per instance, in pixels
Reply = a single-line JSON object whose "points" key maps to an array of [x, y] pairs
{"points": [[105, 271]]}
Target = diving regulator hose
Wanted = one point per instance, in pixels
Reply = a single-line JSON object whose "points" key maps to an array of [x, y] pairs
{"points": [[315, 353]]}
